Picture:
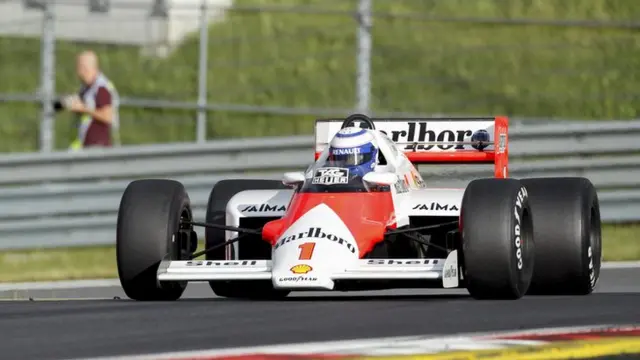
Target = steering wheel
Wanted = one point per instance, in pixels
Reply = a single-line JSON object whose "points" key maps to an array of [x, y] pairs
{"points": [[349, 121]]}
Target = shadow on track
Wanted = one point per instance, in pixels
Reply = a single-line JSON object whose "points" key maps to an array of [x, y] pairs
{"points": [[220, 299], [334, 298]]}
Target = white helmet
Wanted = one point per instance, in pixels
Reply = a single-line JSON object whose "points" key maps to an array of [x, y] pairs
{"points": [[353, 148]]}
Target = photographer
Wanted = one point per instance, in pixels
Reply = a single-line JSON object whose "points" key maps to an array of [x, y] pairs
{"points": [[96, 106]]}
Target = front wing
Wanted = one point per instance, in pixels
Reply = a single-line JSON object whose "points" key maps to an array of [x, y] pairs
{"points": [[445, 270]]}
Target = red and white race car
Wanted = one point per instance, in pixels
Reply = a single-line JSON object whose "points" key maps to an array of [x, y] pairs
{"points": [[361, 217]]}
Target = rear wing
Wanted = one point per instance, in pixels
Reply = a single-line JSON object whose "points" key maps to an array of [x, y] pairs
{"points": [[436, 140]]}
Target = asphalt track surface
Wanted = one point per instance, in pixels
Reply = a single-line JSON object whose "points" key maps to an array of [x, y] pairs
{"points": [[63, 324]]}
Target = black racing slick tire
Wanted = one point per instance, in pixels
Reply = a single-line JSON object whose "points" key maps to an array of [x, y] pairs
{"points": [[497, 239], [220, 195], [567, 229], [149, 216]]}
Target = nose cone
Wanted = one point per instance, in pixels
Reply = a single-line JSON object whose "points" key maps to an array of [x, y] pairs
{"points": [[365, 215], [317, 245]]}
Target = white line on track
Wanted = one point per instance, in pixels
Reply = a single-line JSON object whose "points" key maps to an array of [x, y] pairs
{"points": [[621, 265], [405, 345], [57, 285], [100, 283]]}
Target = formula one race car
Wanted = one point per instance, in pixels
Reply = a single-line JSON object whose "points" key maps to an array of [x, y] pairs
{"points": [[362, 218]]}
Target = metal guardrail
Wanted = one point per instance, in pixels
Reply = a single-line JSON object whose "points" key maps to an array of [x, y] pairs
{"points": [[71, 199]]}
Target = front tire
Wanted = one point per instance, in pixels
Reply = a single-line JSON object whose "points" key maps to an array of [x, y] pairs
{"points": [[497, 239], [148, 217], [568, 235]]}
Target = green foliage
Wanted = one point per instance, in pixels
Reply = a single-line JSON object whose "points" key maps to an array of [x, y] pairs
{"points": [[302, 59]]}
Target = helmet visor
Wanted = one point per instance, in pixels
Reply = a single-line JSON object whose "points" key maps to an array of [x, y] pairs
{"points": [[347, 157]]}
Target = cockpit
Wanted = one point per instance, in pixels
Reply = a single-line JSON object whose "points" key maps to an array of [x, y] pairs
{"points": [[331, 179], [352, 153], [339, 173]]}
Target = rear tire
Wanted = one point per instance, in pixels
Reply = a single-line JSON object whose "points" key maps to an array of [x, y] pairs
{"points": [[148, 217], [220, 195], [497, 233], [568, 235]]}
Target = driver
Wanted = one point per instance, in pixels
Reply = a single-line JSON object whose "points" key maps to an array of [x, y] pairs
{"points": [[354, 149]]}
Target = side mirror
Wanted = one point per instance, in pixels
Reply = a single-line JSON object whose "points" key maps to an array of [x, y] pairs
{"points": [[293, 178], [386, 178]]}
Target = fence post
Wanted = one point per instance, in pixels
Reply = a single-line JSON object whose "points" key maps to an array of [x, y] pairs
{"points": [[363, 77], [47, 77], [201, 128]]}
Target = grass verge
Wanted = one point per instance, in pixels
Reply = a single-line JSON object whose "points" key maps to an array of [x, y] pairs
{"points": [[619, 242], [60, 264]]}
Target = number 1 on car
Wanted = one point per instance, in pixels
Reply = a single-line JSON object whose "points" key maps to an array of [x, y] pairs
{"points": [[306, 250]]}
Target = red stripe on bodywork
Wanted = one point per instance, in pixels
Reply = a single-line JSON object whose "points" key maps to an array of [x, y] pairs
{"points": [[365, 214], [501, 159], [579, 335]]}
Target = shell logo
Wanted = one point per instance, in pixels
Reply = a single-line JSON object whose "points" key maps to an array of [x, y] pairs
{"points": [[301, 269]]}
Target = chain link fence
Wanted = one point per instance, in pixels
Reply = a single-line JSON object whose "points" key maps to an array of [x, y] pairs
{"points": [[198, 70]]}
